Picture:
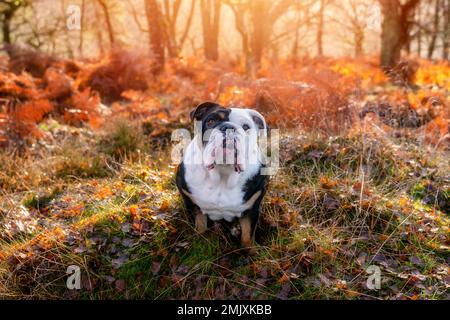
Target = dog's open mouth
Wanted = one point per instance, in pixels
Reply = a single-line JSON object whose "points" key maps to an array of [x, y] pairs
{"points": [[226, 154]]}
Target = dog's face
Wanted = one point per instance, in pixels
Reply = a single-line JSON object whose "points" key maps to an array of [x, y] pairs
{"points": [[229, 135]]}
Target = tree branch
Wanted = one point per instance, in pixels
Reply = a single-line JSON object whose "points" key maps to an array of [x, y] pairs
{"points": [[188, 24], [136, 18]]}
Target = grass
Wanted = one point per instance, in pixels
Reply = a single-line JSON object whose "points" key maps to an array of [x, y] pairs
{"points": [[123, 138], [39, 202], [336, 206]]}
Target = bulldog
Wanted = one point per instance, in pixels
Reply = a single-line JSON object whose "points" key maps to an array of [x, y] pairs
{"points": [[220, 176]]}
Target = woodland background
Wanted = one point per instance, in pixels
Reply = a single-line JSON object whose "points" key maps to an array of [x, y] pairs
{"points": [[90, 92]]}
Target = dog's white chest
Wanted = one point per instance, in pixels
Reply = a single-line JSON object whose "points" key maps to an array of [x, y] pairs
{"points": [[217, 200]]}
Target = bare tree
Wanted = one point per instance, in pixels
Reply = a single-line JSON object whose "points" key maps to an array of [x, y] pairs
{"points": [[156, 34], [29, 28], [66, 33], [98, 30], [303, 17], [320, 25], [355, 14], [7, 10], [395, 29], [82, 18], [170, 14], [430, 27], [254, 21], [419, 30], [109, 26], [210, 11], [446, 31], [435, 29]]}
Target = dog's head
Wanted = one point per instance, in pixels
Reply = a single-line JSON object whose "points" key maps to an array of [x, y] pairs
{"points": [[229, 135]]}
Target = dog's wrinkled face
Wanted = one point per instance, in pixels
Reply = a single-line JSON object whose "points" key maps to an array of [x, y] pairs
{"points": [[229, 135]]}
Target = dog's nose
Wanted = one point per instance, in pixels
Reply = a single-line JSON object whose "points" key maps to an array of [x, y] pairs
{"points": [[226, 127]]}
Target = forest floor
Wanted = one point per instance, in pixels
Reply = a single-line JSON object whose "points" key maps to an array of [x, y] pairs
{"points": [[335, 207], [339, 207]]}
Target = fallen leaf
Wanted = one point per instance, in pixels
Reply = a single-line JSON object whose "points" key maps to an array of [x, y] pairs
{"points": [[125, 227], [330, 203], [284, 292], [164, 206], [284, 278], [361, 258], [324, 280], [418, 262], [156, 266], [119, 261], [120, 285]]}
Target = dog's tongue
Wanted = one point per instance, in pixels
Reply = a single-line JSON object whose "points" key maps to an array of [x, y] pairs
{"points": [[211, 166]]}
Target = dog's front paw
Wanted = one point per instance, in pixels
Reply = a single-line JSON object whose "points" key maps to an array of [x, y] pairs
{"points": [[251, 251], [201, 222]]}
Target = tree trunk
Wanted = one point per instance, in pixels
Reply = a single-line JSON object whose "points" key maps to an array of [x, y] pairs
{"points": [[170, 17], [6, 28], [446, 33], [394, 30], [391, 30], [255, 31], [435, 30], [319, 36], [187, 26], [174, 44], [419, 31], [240, 27], [70, 53], [359, 40], [98, 32], [156, 34], [210, 11], [294, 50], [8, 14], [260, 18], [108, 21], [83, 7]]}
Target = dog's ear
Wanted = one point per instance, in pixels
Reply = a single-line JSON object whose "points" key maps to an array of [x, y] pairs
{"points": [[258, 119], [202, 109]]}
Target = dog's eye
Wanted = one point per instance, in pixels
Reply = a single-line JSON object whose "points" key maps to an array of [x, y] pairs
{"points": [[245, 127], [210, 122]]}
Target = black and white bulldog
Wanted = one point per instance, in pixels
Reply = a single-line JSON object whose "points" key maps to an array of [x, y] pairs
{"points": [[220, 175]]}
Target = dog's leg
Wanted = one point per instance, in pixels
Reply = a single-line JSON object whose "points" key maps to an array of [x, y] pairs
{"points": [[247, 234], [201, 221]]}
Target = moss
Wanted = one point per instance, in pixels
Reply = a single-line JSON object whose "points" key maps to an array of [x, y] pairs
{"points": [[201, 251], [40, 201]]}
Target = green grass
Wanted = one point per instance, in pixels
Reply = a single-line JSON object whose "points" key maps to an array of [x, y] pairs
{"points": [[201, 250], [332, 206], [122, 139], [41, 201]]}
